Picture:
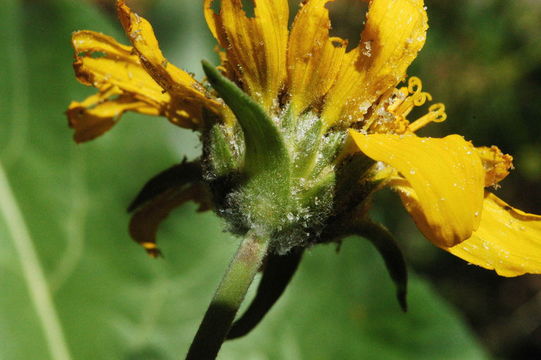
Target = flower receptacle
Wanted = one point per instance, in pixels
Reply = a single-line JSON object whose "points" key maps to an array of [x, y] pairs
{"points": [[279, 175]]}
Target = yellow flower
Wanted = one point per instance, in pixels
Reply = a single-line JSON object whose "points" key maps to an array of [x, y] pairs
{"points": [[304, 74]]}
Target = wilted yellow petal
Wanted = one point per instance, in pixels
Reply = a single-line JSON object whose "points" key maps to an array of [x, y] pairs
{"points": [[508, 240], [394, 33], [256, 47], [123, 86], [496, 164], [102, 62], [145, 221], [100, 112], [188, 93], [312, 65], [445, 178]]}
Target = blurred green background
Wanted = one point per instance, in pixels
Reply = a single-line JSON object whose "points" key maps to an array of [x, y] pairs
{"points": [[67, 201]]}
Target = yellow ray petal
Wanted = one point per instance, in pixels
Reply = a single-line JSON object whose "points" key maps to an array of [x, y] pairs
{"points": [[314, 64], [445, 177], [508, 240], [181, 86], [100, 112], [394, 33], [102, 62], [214, 22], [256, 47]]}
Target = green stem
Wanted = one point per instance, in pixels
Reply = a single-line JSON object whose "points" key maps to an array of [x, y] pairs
{"points": [[227, 299]]}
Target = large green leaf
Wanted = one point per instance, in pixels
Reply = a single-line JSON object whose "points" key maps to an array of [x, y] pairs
{"points": [[66, 258]]}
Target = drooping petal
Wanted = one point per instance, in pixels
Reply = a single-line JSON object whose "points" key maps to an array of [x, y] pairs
{"points": [[394, 33], [496, 164], [256, 47], [508, 240], [102, 62], [123, 86], [146, 220], [312, 65], [161, 195], [100, 112], [443, 191], [187, 93], [176, 177]]}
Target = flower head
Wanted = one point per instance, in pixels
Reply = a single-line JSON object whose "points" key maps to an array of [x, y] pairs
{"points": [[298, 133]]}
